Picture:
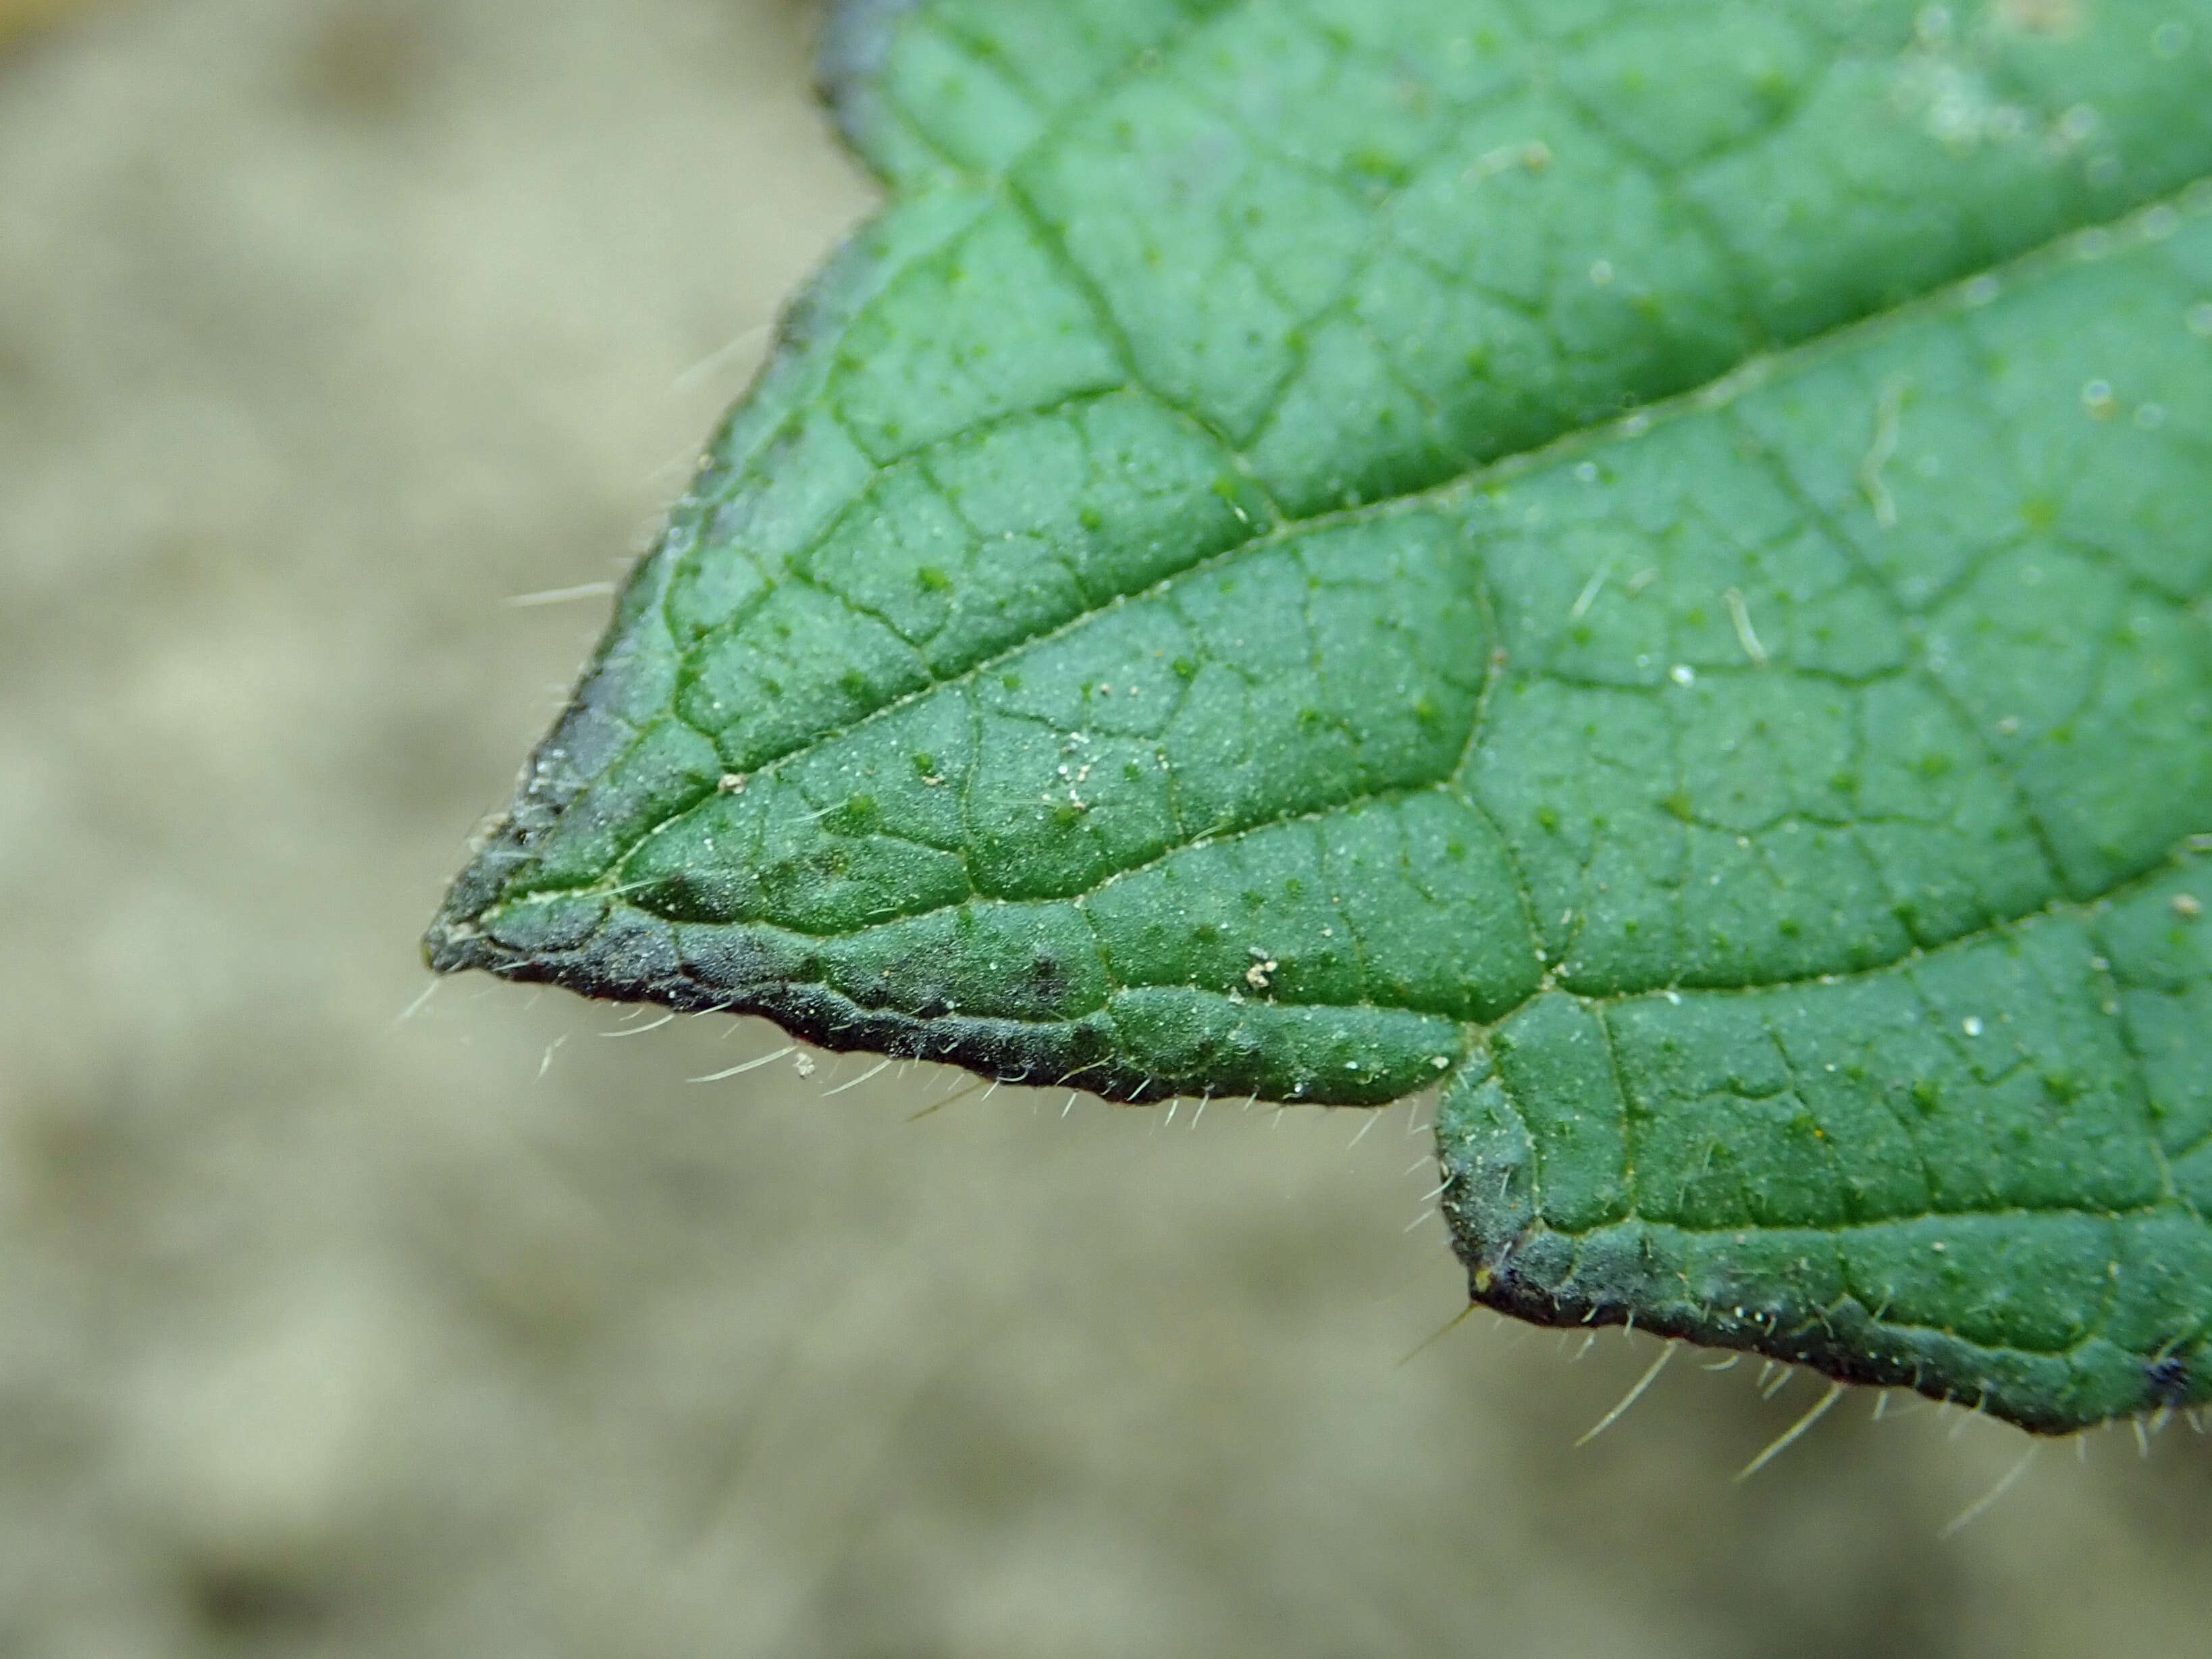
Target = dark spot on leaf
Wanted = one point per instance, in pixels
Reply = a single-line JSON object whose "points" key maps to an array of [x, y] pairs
{"points": [[1048, 981], [2168, 1379]]}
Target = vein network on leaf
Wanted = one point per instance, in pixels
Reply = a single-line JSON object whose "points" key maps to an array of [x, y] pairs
{"points": [[1643, 562]]}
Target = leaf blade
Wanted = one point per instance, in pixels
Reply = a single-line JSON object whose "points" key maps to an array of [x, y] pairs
{"points": [[1034, 678]]}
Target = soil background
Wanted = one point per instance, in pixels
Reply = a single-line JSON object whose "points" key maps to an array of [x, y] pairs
{"points": [[328, 329]]}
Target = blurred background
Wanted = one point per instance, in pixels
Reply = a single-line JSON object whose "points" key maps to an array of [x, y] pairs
{"points": [[335, 335]]}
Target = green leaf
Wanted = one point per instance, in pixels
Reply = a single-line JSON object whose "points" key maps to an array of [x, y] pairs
{"points": [[1646, 563]]}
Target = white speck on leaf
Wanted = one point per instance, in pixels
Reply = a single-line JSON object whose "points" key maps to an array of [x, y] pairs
{"points": [[1888, 421], [1746, 635]]}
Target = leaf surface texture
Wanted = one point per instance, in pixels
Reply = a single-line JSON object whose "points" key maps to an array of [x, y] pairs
{"points": [[1647, 564]]}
